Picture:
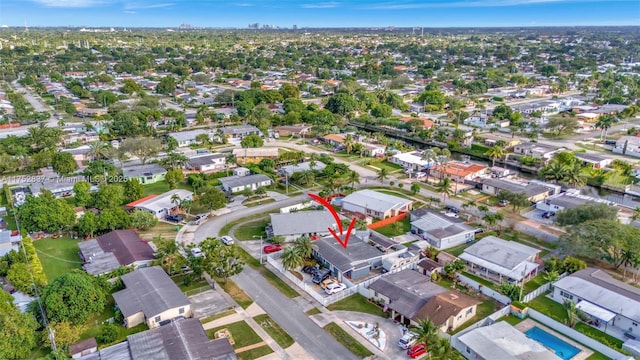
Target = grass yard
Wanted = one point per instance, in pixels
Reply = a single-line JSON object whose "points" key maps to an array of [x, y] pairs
{"points": [[457, 250], [347, 340], [242, 334], [249, 230], [482, 281], [163, 229], [236, 293], [313, 311], [255, 353], [485, 309], [394, 193], [512, 320], [534, 283], [384, 164], [259, 202], [58, 256], [186, 284], [357, 302], [94, 325], [217, 316], [162, 187], [394, 230], [600, 336], [274, 330], [549, 307]]}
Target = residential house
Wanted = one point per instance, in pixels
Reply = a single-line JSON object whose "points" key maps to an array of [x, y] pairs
{"points": [[58, 186], [428, 267], [536, 150], [113, 250], [9, 240], [334, 139], [412, 161], [568, 200], [534, 192], [207, 163], [501, 341], [164, 204], [492, 139], [234, 184], [440, 230], [80, 153], [186, 138], [241, 171], [594, 160], [82, 348], [146, 174], [151, 297], [458, 171], [302, 167], [628, 145], [375, 204], [424, 122], [184, 339], [240, 131], [293, 130], [609, 302], [292, 225], [255, 155], [374, 150], [500, 260], [448, 310]]}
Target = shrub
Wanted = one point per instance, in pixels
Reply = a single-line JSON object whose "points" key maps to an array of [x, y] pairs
{"points": [[108, 334]]}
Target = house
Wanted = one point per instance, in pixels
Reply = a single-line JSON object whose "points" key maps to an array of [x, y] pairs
{"points": [[164, 204], [609, 302], [234, 184], [594, 160], [59, 186], [628, 145], [113, 250], [375, 204], [240, 131], [207, 163], [500, 260], [241, 171], [255, 155], [458, 171], [448, 310], [492, 139], [334, 139], [534, 191], [568, 200], [440, 230], [293, 130], [293, 225], [304, 166], [374, 150], [146, 174], [82, 348], [501, 341], [536, 150], [186, 138], [428, 267], [80, 153], [412, 161], [184, 339], [151, 297], [9, 240], [424, 122], [398, 260]]}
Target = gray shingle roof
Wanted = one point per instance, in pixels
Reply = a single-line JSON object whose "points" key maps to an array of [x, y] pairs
{"points": [[374, 200], [182, 136], [149, 290], [344, 259], [302, 222], [508, 254], [239, 129], [143, 170], [440, 226], [204, 159], [304, 166], [235, 181]]}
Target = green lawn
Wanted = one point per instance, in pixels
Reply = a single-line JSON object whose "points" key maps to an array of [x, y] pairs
{"points": [[94, 325], [259, 202], [255, 353], [597, 356], [482, 281], [236, 293], [457, 250], [390, 231], [384, 164], [357, 302], [242, 334], [249, 230], [313, 311], [217, 316], [58, 256], [549, 307], [394, 193], [485, 309], [347, 340], [600, 336], [185, 283], [162, 187], [512, 320], [274, 330], [534, 283]]}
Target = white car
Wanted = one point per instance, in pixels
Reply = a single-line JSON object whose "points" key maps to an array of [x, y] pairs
{"points": [[407, 340], [227, 240], [197, 252], [420, 175], [334, 288]]}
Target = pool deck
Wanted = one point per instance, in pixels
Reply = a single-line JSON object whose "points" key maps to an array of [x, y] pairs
{"points": [[529, 323]]}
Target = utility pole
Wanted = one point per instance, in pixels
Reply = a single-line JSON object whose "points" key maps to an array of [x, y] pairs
{"points": [[261, 250], [524, 273]]}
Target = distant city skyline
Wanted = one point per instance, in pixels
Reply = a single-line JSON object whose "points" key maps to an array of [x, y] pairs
{"points": [[307, 13]]}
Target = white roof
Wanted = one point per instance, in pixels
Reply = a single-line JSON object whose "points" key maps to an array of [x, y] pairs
{"points": [[507, 258], [414, 157], [302, 222], [503, 341], [375, 201], [163, 201], [595, 310]]}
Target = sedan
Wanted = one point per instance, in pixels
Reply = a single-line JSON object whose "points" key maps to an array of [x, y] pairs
{"points": [[417, 350], [227, 240], [334, 288], [328, 282], [271, 248]]}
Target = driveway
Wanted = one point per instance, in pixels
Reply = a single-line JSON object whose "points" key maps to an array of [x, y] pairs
{"points": [[208, 303], [291, 317]]}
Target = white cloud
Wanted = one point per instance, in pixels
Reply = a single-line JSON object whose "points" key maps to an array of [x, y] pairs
{"points": [[244, 4], [146, 6], [463, 3], [70, 3], [324, 5]]}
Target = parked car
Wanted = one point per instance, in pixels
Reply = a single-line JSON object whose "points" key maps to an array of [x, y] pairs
{"points": [[312, 270], [420, 175], [417, 350], [328, 282], [503, 203], [227, 240], [271, 248], [452, 209], [174, 218], [321, 276], [197, 252], [334, 288], [407, 340], [548, 214]]}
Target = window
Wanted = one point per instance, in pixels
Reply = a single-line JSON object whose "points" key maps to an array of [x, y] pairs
{"points": [[566, 295], [469, 311], [181, 311], [157, 319], [468, 350], [375, 294]]}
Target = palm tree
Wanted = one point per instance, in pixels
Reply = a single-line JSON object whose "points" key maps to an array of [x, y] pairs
{"points": [[444, 187], [441, 349], [572, 313], [383, 174], [304, 246], [495, 152], [354, 177], [168, 254], [604, 123], [175, 199], [430, 156], [291, 258], [348, 143], [492, 219], [307, 177], [426, 332], [97, 150], [574, 176], [555, 172]]}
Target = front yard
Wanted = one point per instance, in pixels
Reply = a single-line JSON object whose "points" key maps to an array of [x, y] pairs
{"points": [[347, 340], [357, 302], [396, 229], [247, 231], [58, 256], [243, 336]]}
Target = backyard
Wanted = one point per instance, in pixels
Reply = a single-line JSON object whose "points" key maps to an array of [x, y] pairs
{"points": [[58, 256], [396, 229], [161, 187], [243, 336]]}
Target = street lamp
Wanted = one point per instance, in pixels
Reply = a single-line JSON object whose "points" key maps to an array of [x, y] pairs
{"points": [[261, 250]]}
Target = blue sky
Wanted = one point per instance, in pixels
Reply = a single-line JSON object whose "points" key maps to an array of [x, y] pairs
{"points": [[322, 13]]}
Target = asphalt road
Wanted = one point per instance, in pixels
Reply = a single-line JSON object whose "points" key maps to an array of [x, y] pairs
{"points": [[291, 317]]}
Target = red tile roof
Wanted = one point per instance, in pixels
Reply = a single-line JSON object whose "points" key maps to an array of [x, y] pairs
{"points": [[139, 201]]}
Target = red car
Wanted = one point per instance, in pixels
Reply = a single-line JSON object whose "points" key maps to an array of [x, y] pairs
{"points": [[417, 350], [271, 248]]}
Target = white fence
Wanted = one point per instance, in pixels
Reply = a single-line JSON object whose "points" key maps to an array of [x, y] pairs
{"points": [[485, 290], [541, 290], [300, 206], [577, 336]]}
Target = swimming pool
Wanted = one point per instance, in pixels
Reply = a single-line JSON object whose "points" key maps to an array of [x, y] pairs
{"points": [[563, 349]]}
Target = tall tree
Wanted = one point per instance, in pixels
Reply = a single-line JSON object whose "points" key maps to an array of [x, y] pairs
{"points": [[222, 261], [291, 258], [168, 255], [604, 123], [426, 332], [212, 198], [73, 297], [444, 188], [304, 246], [383, 174], [18, 332], [141, 147], [63, 163], [495, 152]]}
